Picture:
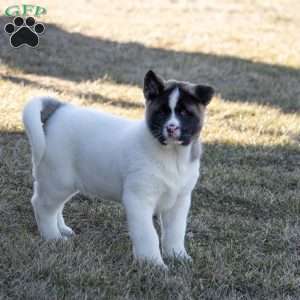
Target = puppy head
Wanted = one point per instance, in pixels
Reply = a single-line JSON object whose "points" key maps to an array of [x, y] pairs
{"points": [[175, 109]]}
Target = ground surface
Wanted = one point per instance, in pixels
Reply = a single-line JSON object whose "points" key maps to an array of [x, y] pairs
{"points": [[244, 227]]}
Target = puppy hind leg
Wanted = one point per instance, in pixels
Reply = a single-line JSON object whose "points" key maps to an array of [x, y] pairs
{"points": [[46, 204], [46, 217], [65, 230]]}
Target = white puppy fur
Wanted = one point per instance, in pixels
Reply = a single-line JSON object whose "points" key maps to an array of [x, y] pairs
{"points": [[81, 150]]}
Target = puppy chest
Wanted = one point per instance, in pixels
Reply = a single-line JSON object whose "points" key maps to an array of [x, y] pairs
{"points": [[178, 175], [175, 186]]}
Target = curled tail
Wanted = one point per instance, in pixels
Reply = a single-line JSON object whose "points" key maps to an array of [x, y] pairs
{"points": [[35, 115]]}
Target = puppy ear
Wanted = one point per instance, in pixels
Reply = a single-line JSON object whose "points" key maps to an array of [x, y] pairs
{"points": [[153, 85], [204, 93]]}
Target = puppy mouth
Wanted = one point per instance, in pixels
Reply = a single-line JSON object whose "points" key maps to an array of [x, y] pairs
{"points": [[179, 138], [172, 140]]}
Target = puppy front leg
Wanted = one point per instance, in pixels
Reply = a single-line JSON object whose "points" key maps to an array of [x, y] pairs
{"points": [[173, 224], [141, 228]]}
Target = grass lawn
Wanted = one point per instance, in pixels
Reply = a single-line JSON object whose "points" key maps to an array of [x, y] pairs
{"points": [[244, 226]]}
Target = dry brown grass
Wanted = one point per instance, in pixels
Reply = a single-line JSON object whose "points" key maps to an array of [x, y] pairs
{"points": [[244, 227]]}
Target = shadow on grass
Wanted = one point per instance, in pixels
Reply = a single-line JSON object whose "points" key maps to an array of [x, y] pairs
{"points": [[78, 57], [89, 96], [256, 182]]}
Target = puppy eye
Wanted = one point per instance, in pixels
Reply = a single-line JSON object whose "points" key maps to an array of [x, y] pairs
{"points": [[183, 112], [164, 111]]}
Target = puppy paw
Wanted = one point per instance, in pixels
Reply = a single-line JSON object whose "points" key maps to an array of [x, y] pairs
{"points": [[186, 257], [158, 263], [180, 255], [66, 232]]}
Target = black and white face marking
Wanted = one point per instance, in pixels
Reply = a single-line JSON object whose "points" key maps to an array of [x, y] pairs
{"points": [[175, 110], [172, 128]]}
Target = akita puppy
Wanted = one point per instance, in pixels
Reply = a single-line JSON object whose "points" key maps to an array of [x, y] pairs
{"points": [[150, 165]]}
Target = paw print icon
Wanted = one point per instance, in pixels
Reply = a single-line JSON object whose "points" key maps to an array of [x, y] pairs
{"points": [[24, 32]]}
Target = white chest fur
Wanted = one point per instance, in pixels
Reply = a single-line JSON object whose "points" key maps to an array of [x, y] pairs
{"points": [[179, 174], [161, 173]]}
